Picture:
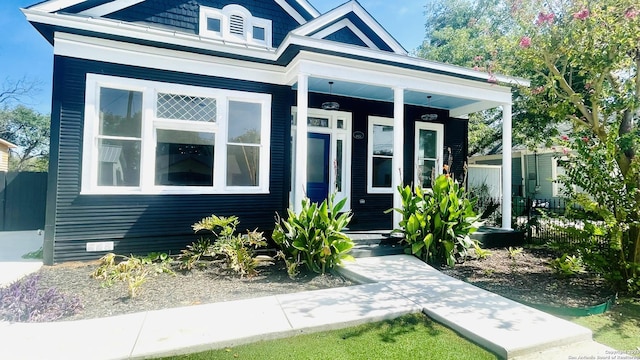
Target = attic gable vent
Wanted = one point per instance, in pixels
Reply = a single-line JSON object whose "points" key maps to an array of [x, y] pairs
{"points": [[236, 25]]}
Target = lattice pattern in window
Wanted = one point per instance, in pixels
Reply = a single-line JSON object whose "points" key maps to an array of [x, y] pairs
{"points": [[236, 25], [183, 107]]}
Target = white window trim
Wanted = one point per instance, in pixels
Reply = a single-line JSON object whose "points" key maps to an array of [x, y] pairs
{"points": [[439, 129], [150, 123], [375, 120], [225, 34]]}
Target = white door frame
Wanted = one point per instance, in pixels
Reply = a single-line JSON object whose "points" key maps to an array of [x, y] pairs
{"points": [[337, 134]]}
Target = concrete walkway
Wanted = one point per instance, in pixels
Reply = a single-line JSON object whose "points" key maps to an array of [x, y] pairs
{"points": [[14, 244], [507, 328]]}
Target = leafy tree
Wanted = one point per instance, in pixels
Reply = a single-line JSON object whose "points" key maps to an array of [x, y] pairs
{"points": [[587, 56], [30, 131], [481, 34]]}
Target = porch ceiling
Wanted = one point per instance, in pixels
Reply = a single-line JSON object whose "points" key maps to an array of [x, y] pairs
{"points": [[385, 94]]}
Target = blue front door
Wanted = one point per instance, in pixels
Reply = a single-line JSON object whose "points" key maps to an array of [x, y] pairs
{"points": [[318, 166]]}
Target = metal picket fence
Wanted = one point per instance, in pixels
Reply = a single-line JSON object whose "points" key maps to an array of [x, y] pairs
{"points": [[541, 220]]}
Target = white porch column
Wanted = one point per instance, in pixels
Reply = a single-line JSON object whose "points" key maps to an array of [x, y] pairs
{"points": [[506, 166], [300, 183], [398, 151]]}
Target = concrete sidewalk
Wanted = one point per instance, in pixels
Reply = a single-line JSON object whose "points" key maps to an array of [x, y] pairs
{"points": [[509, 329], [14, 244]]}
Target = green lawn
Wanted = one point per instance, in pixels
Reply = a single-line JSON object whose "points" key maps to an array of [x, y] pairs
{"points": [[618, 328], [408, 337]]}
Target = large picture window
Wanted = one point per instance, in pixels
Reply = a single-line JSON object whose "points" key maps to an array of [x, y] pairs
{"points": [[151, 137], [380, 157]]}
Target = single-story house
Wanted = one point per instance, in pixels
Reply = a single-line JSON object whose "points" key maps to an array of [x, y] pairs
{"points": [[166, 111], [4, 154]]}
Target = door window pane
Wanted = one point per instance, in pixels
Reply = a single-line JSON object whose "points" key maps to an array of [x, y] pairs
{"points": [[118, 162], [426, 172], [316, 161], [244, 122], [184, 158], [120, 112], [428, 144], [243, 165]]}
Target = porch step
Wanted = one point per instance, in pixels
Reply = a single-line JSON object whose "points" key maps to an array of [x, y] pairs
{"points": [[374, 243]]}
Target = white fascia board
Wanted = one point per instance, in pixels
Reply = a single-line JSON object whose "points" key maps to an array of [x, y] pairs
{"points": [[340, 11], [55, 5], [307, 6], [148, 33], [351, 26], [291, 11], [109, 7], [363, 72], [90, 48], [472, 108], [143, 32], [396, 58]]}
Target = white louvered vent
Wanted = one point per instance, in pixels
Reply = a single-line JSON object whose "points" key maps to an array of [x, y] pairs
{"points": [[236, 25]]}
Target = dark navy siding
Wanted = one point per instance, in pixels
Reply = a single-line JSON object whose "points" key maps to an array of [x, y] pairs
{"points": [[144, 223], [370, 215], [381, 44], [184, 15], [346, 36]]}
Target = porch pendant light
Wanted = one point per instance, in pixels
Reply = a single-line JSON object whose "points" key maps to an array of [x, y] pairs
{"points": [[330, 105], [429, 117]]}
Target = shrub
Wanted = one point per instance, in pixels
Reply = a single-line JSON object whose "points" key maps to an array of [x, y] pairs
{"points": [[567, 265], [481, 253], [437, 223], [236, 250], [25, 301], [314, 237], [131, 270]]}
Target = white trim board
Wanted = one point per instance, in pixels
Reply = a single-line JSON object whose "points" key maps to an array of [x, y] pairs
{"points": [[351, 6], [109, 7], [183, 39], [345, 23]]}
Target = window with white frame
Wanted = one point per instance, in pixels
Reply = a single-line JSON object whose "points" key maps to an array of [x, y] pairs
{"points": [[235, 23], [152, 137], [380, 159]]}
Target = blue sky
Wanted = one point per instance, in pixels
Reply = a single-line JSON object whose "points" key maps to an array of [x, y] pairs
{"points": [[24, 53]]}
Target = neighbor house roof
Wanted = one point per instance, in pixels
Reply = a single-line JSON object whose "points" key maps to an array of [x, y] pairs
{"points": [[7, 144]]}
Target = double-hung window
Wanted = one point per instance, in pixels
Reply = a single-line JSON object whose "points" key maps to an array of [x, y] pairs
{"points": [[380, 159], [150, 137]]}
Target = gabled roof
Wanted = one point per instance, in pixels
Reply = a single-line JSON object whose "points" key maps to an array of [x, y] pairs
{"points": [[353, 17], [298, 9], [7, 144]]}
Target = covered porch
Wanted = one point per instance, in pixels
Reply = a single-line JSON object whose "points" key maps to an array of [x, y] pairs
{"points": [[423, 104]]}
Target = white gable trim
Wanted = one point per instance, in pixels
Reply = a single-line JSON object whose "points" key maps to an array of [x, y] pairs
{"points": [[291, 11], [55, 5], [352, 6], [345, 23], [148, 33], [109, 7]]}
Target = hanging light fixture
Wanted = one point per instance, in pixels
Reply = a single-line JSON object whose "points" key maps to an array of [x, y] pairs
{"points": [[330, 105], [430, 116]]}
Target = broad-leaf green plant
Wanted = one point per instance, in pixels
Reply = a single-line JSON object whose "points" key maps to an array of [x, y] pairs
{"points": [[238, 251], [314, 237], [437, 222]]}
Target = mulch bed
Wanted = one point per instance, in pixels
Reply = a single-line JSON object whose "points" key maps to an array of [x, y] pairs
{"points": [[526, 278]]}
